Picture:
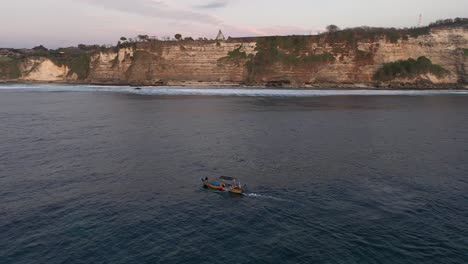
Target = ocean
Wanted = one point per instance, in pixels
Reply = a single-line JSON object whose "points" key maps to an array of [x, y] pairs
{"points": [[92, 174]]}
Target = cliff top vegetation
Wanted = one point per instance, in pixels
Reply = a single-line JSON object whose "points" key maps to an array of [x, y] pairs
{"points": [[333, 34]]}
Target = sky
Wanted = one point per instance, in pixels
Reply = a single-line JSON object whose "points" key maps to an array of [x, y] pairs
{"points": [[62, 23]]}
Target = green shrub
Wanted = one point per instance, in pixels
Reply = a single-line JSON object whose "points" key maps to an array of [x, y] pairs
{"points": [[76, 59], [79, 65], [126, 45], [450, 22], [351, 36], [293, 51], [293, 43], [465, 52], [235, 55], [289, 50], [5, 59], [314, 58], [9, 68], [408, 69], [364, 56], [393, 36], [140, 54], [418, 31]]}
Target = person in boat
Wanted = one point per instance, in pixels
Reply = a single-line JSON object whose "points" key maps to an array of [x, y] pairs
{"points": [[205, 179]]}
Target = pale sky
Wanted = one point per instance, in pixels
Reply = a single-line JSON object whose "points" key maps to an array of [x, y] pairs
{"points": [[61, 23]]}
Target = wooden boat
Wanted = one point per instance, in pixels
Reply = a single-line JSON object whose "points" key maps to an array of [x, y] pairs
{"points": [[224, 184]]}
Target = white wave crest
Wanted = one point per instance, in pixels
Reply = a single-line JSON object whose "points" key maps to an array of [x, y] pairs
{"points": [[221, 91], [256, 195]]}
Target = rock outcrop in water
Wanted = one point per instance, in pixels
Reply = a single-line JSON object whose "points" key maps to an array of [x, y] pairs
{"points": [[345, 58]]}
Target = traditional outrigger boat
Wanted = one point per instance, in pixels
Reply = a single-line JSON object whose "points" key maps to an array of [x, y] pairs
{"points": [[224, 184]]}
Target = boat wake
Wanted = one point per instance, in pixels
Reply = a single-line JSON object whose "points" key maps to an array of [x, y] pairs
{"points": [[256, 195], [252, 195]]}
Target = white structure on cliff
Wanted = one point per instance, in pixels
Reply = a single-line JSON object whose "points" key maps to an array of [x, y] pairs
{"points": [[220, 36]]}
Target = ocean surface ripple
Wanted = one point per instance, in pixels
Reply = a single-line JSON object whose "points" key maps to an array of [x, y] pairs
{"points": [[89, 174]]}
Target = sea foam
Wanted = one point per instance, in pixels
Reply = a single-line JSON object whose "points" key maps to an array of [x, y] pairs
{"points": [[222, 91]]}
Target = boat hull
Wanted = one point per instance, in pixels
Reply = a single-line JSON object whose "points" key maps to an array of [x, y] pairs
{"points": [[222, 189], [236, 191]]}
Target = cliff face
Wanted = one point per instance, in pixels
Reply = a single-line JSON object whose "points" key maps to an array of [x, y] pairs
{"points": [[317, 62], [111, 67], [42, 69], [443, 46], [171, 63], [295, 60]]}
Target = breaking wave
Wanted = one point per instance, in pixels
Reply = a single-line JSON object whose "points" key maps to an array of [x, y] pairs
{"points": [[221, 91]]}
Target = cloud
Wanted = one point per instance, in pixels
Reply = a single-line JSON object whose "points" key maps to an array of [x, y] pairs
{"points": [[269, 31], [155, 9], [213, 4]]}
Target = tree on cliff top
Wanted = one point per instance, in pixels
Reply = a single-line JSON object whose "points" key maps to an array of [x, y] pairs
{"points": [[40, 48], [332, 28], [178, 36], [143, 37]]}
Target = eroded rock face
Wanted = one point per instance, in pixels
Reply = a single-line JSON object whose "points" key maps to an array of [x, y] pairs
{"points": [[42, 69], [111, 67], [442, 46], [191, 62], [213, 63], [171, 63]]}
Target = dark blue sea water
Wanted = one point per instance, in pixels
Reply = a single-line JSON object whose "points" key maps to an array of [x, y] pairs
{"points": [[90, 176]]}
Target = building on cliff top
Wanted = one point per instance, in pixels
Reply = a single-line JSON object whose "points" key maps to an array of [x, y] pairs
{"points": [[220, 36]]}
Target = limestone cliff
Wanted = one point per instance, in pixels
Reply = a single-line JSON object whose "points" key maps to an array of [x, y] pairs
{"points": [[343, 58], [42, 69], [319, 61]]}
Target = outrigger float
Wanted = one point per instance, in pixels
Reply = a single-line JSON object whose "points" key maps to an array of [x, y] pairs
{"points": [[224, 184]]}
